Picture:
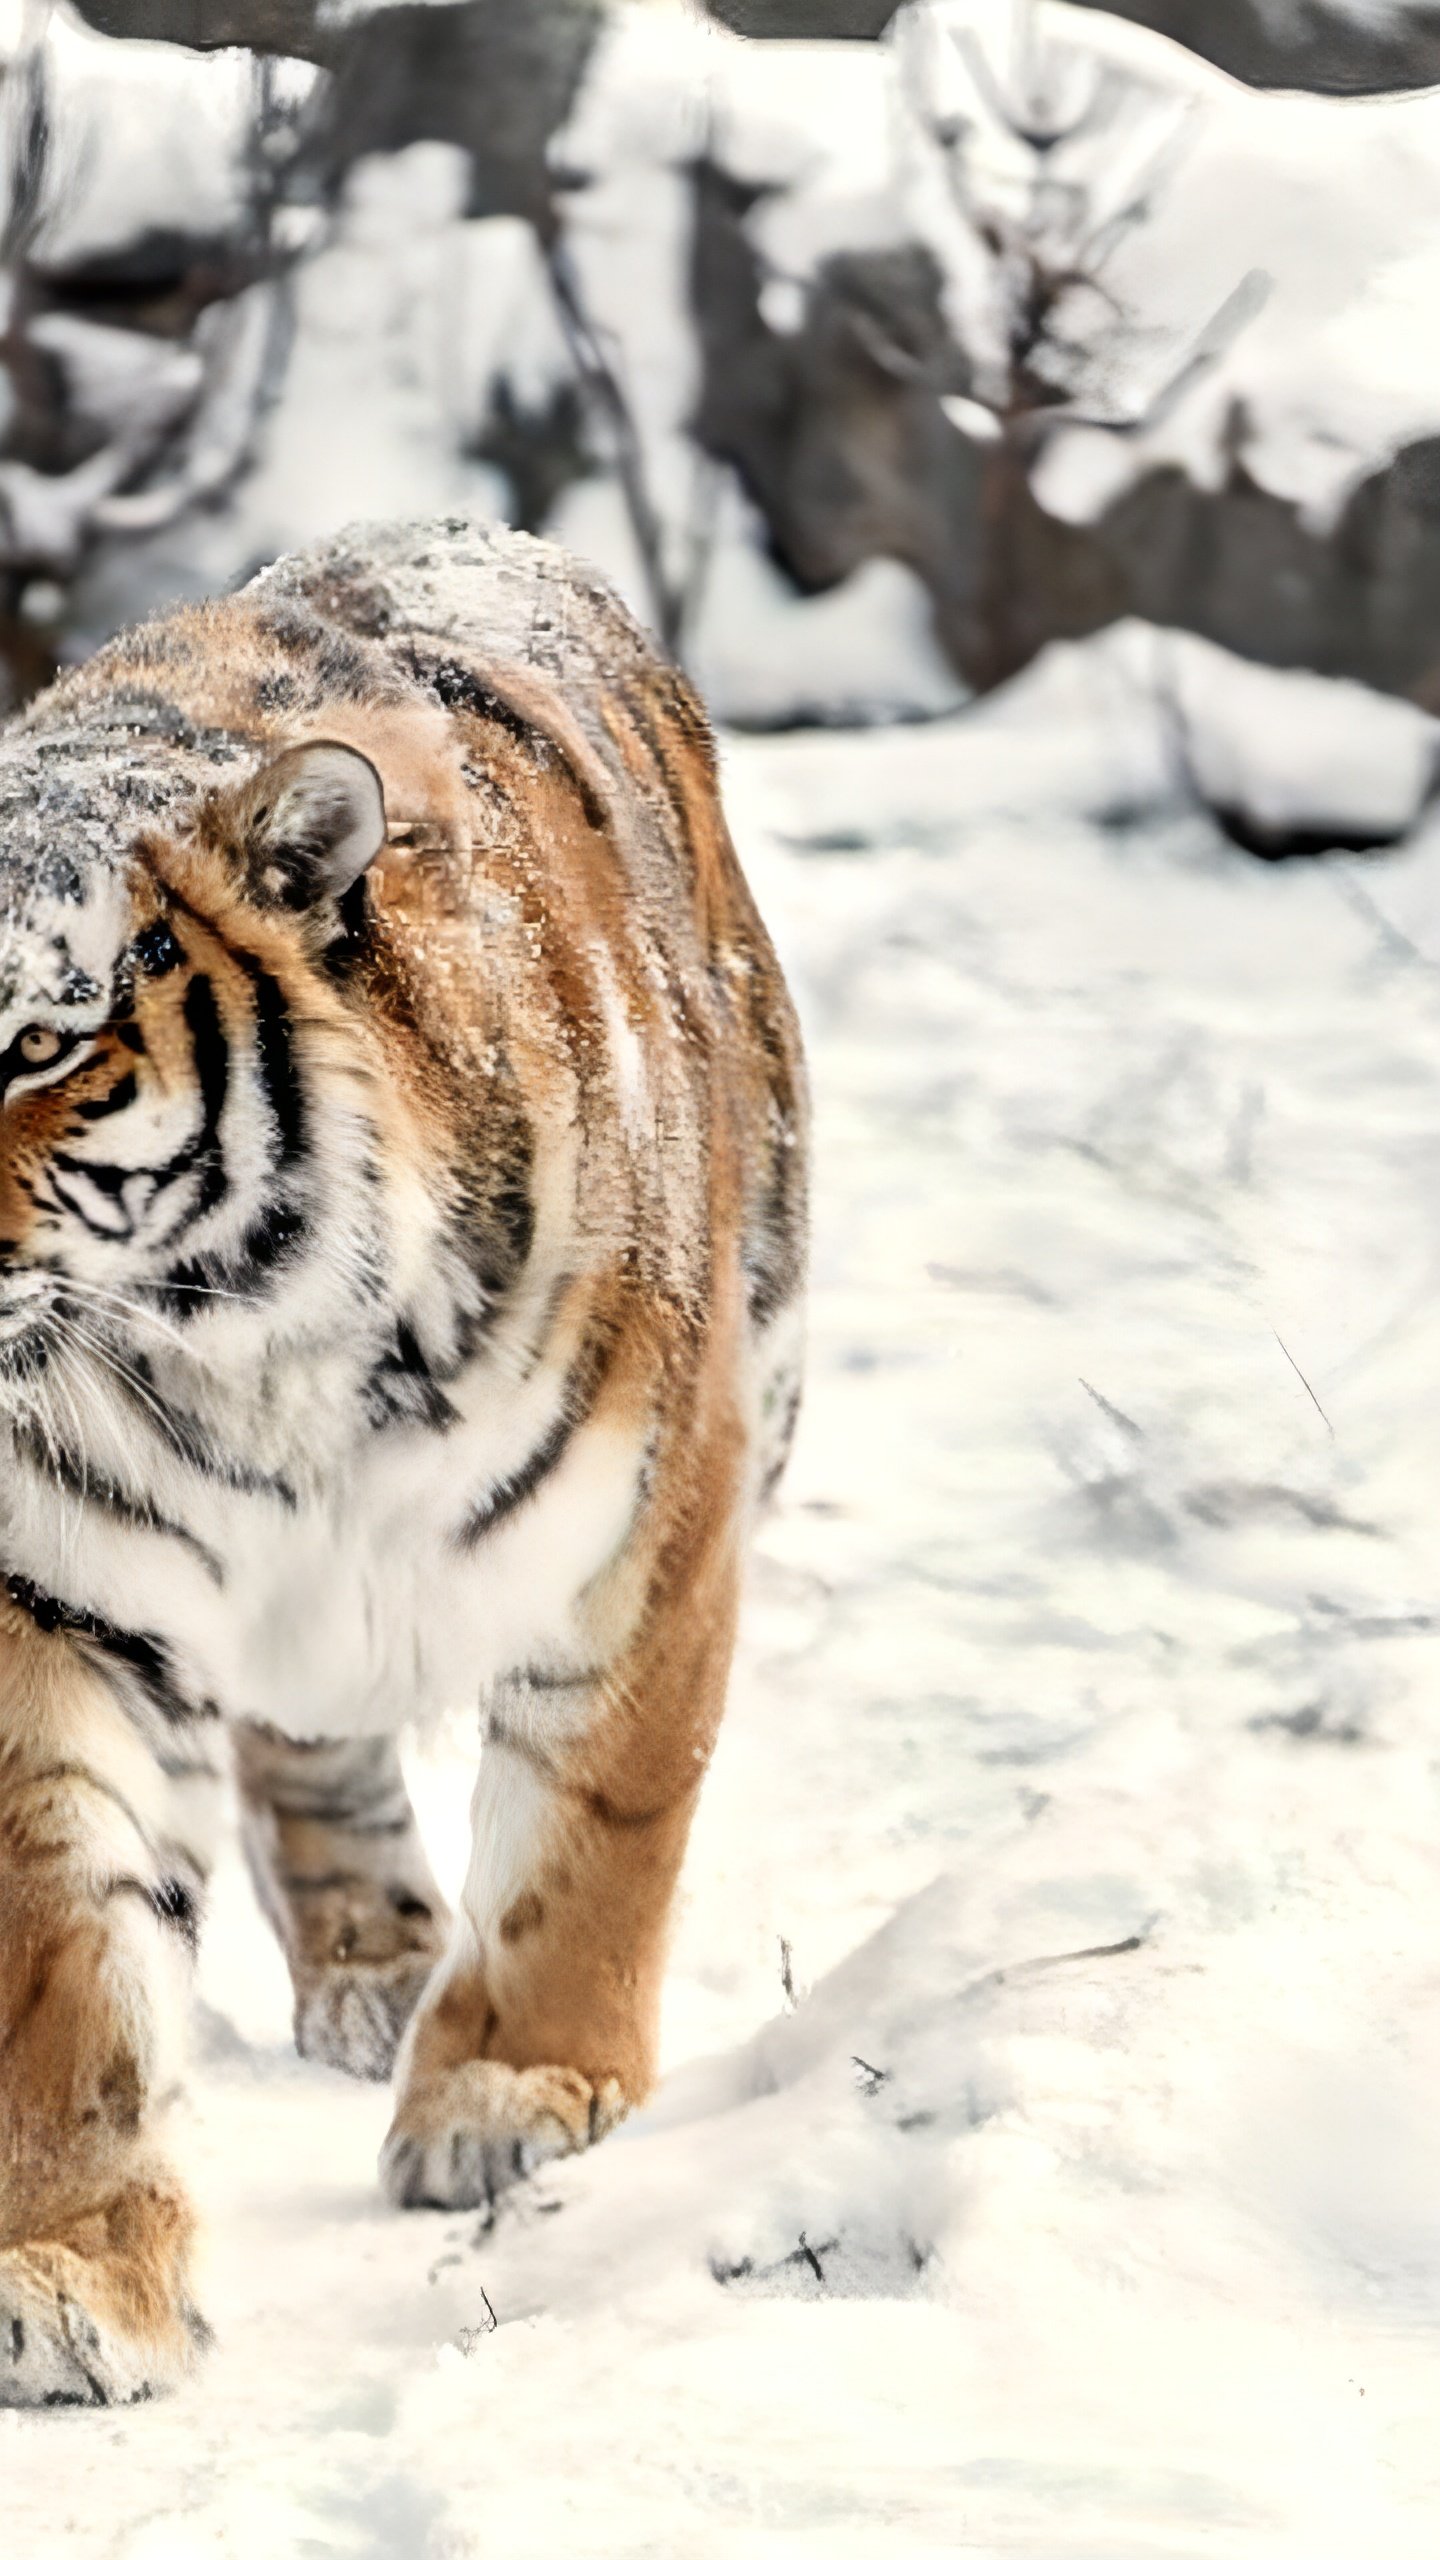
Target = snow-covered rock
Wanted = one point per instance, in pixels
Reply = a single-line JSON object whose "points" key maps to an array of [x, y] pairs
{"points": [[1132, 723], [147, 139], [1292, 756]]}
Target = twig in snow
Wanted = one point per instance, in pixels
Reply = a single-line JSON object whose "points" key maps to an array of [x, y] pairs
{"points": [[787, 1974], [469, 2339], [1309, 1390], [873, 2077], [730, 2271], [600, 381], [1112, 1411], [812, 2258], [1396, 944], [808, 2254], [1046, 1964]]}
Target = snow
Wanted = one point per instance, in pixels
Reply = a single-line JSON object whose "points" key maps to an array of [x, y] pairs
{"points": [[1131, 723], [1298, 751], [1081, 1753]]}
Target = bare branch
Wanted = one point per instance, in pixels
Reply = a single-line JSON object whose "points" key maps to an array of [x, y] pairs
{"points": [[1147, 185], [1214, 342], [601, 383], [30, 140]]}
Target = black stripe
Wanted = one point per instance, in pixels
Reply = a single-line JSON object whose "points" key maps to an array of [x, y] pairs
{"points": [[192, 1444], [401, 1387], [493, 1224], [771, 1254], [275, 1055], [615, 1817], [275, 1237], [186, 1765], [353, 1785], [582, 1386], [512, 1204], [461, 689], [171, 1902], [210, 1055], [119, 1098], [511, 1491], [156, 950], [178, 1906], [135, 1511], [272, 1240], [145, 1658], [502, 1737], [639, 705], [107, 1178], [603, 1808], [211, 1052], [549, 1683]]}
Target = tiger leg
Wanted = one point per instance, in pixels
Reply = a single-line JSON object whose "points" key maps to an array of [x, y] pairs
{"points": [[333, 1845], [539, 2030], [98, 1912]]}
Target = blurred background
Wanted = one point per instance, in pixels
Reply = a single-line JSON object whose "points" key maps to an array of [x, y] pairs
{"points": [[870, 349]]}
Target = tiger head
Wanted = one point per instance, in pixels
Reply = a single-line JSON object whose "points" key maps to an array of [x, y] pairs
{"points": [[162, 991]]}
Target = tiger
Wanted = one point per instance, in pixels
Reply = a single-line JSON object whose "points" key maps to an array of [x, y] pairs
{"points": [[403, 1174]]}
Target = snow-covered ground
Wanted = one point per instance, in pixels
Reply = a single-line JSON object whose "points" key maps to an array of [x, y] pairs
{"points": [[1083, 1755]]}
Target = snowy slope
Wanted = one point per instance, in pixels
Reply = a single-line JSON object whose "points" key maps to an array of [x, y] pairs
{"points": [[1082, 1752]]}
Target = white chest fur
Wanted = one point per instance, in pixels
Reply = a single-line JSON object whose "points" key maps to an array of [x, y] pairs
{"points": [[363, 1611], [358, 1607]]}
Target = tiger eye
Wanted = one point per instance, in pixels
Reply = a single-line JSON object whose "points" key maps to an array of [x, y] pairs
{"points": [[39, 1046]]}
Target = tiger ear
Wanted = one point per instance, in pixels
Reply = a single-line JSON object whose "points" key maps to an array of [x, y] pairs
{"points": [[310, 823]]}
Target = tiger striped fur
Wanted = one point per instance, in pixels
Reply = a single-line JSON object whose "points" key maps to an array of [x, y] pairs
{"points": [[402, 1173]]}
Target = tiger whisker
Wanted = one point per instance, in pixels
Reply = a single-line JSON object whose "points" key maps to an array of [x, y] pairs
{"points": [[78, 1499], [111, 1358], [92, 1293], [197, 1289]]}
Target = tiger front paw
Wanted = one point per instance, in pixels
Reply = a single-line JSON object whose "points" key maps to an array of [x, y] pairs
{"points": [[463, 2135], [103, 2316]]}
